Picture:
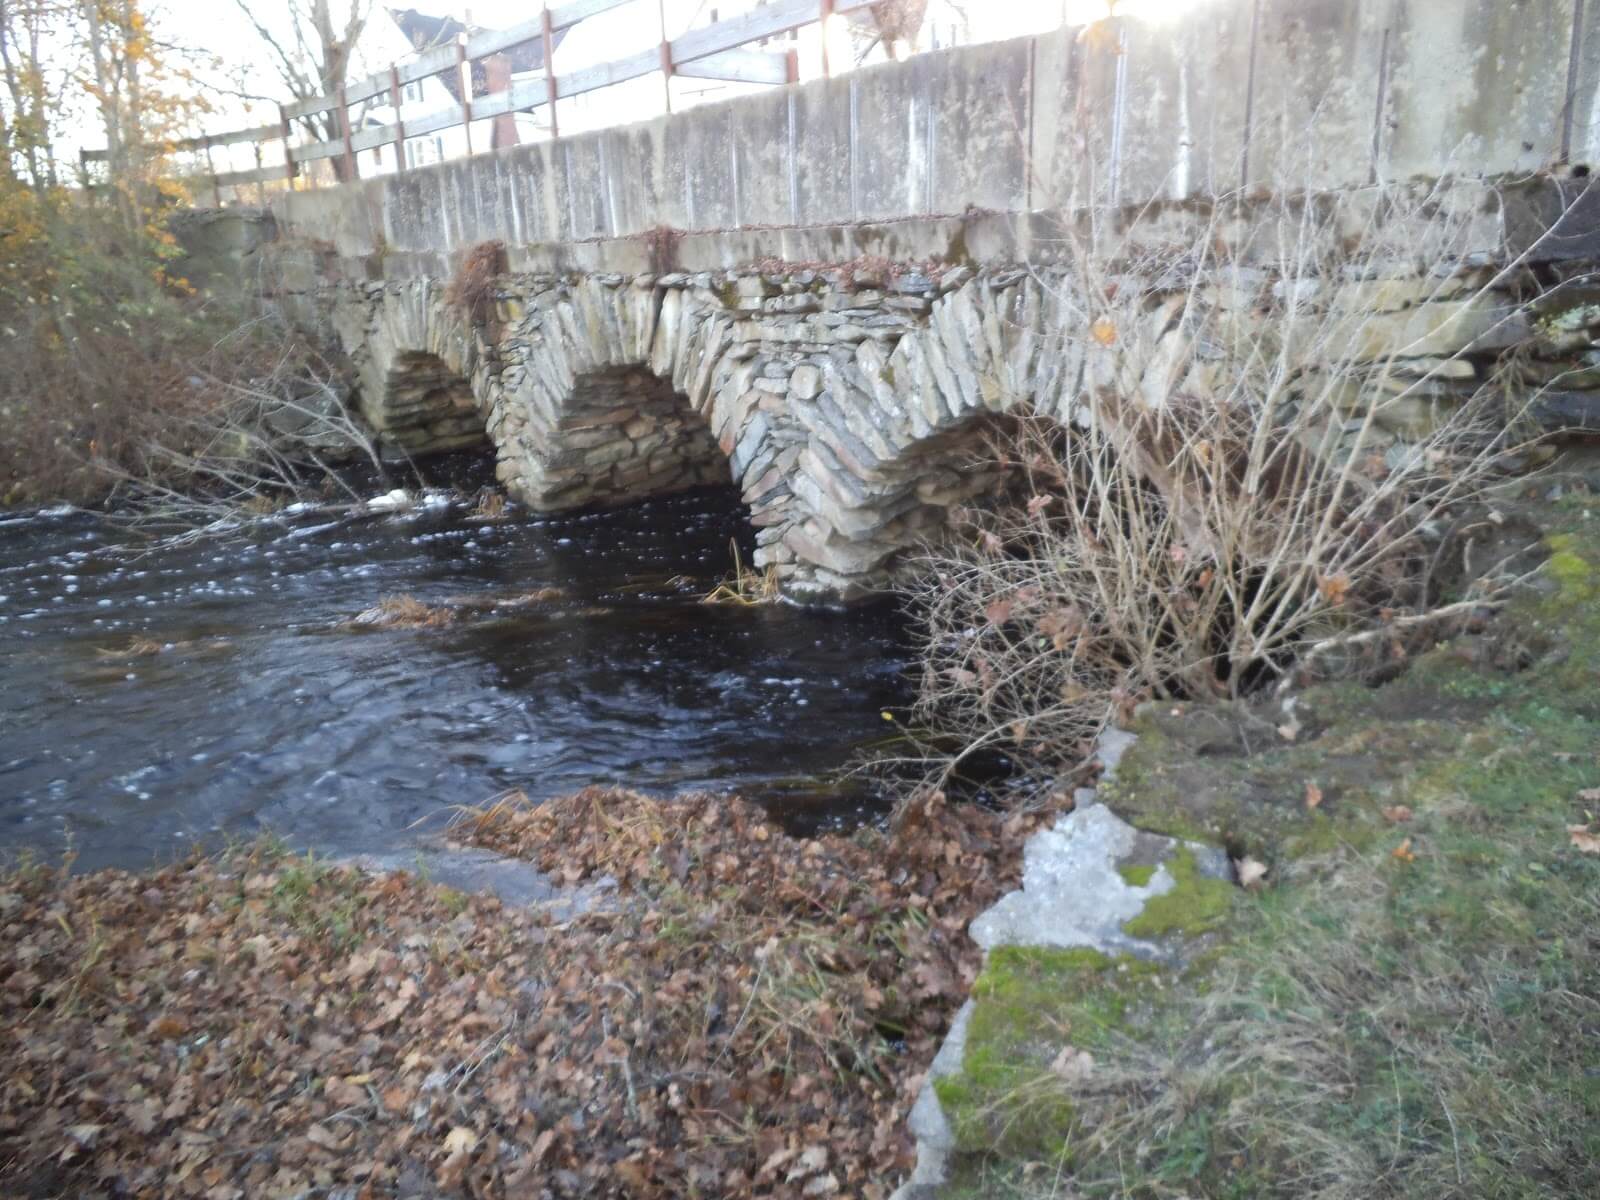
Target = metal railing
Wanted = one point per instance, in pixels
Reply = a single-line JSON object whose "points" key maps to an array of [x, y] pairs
{"points": [[713, 51]]}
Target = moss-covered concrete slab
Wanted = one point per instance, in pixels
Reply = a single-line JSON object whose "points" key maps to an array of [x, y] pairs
{"points": [[1104, 910], [1092, 881]]}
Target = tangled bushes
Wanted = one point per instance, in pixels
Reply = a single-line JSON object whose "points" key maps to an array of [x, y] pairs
{"points": [[122, 383], [1262, 453]]}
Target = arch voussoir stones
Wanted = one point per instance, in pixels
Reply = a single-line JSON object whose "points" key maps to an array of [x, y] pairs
{"points": [[415, 358], [840, 404]]}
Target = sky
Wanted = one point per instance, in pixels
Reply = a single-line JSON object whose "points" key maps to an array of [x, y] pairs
{"points": [[238, 61]]}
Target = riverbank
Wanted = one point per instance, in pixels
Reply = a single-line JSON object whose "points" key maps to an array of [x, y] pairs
{"points": [[746, 1014], [1403, 999], [1398, 1004]]}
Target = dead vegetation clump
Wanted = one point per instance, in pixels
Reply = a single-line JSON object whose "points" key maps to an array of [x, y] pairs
{"points": [[137, 647], [745, 586], [749, 1019], [490, 506], [403, 612], [407, 612], [471, 289], [661, 246], [1231, 483]]}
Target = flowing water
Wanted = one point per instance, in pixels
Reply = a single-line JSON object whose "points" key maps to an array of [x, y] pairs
{"points": [[151, 700]]}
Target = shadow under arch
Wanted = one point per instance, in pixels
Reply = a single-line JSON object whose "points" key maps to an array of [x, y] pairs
{"points": [[423, 407], [622, 434]]}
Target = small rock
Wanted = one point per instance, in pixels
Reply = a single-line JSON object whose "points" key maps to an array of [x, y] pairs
{"points": [[806, 382], [394, 501]]}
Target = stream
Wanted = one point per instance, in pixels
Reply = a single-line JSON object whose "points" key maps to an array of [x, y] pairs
{"points": [[154, 698]]}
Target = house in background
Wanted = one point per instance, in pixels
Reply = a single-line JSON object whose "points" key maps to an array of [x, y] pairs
{"points": [[396, 35]]}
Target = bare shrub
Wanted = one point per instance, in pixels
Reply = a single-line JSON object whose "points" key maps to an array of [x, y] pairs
{"points": [[1279, 404], [255, 420], [122, 386]]}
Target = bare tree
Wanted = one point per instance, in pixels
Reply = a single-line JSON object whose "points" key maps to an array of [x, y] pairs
{"points": [[895, 24], [24, 122], [312, 47]]}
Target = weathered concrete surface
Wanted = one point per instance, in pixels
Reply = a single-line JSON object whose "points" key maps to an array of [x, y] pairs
{"points": [[1074, 895], [1073, 892], [1196, 101], [221, 247], [936, 1141]]}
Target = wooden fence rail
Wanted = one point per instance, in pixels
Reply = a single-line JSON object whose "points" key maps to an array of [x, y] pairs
{"points": [[713, 51]]}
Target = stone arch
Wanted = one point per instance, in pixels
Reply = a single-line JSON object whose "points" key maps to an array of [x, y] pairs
{"points": [[843, 437], [892, 423], [420, 370], [585, 414]]}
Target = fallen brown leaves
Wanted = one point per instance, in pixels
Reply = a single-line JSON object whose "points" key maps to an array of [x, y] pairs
{"points": [[750, 1017], [1584, 839]]}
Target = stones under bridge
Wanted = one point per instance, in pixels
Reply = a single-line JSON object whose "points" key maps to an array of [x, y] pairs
{"points": [[843, 405]]}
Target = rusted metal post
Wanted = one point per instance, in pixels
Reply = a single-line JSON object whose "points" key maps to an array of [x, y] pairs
{"points": [[791, 66], [825, 18], [399, 119], [666, 55], [550, 70], [464, 69], [288, 151], [344, 128]]}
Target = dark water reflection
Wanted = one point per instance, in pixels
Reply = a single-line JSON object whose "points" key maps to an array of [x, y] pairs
{"points": [[260, 712]]}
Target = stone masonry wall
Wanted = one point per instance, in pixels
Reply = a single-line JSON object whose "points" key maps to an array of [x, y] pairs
{"points": [[846, 403], [831, 399]]}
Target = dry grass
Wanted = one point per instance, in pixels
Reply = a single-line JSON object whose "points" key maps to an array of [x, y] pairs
{"points": [[746, 586]]}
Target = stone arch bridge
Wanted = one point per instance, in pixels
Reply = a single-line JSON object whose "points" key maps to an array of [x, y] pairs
{"points": [[663, 320], [840, 405]]}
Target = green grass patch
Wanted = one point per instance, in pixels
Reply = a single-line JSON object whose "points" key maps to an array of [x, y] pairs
{"points": [[1406, 1010]]}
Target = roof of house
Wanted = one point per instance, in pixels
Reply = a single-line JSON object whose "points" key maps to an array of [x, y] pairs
{"points": [[424, 32]]}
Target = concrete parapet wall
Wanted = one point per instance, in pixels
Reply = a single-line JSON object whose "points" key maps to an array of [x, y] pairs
{"points": [[1223, 95]]}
